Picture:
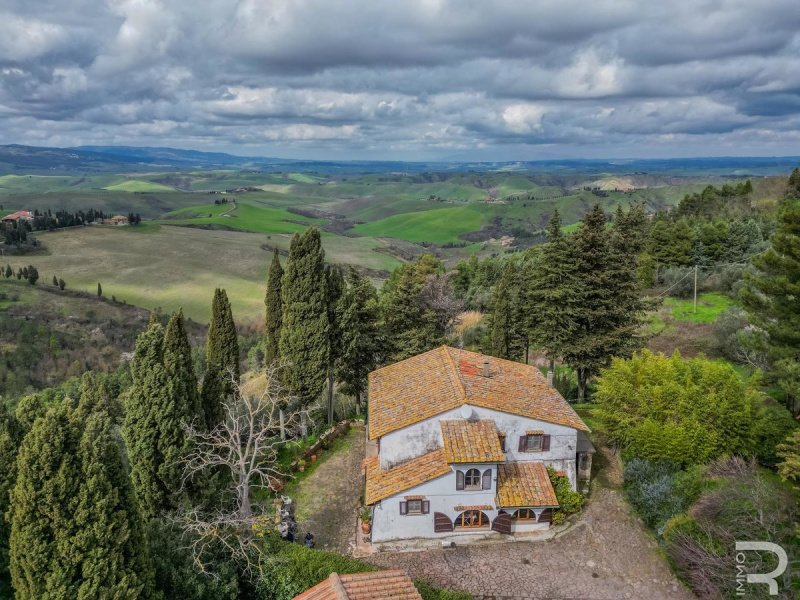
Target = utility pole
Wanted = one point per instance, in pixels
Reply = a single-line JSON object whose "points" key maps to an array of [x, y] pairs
{"points": [[695, 290]]}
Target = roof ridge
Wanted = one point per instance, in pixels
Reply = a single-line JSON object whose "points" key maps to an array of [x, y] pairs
{"points": [[458, 380], [338, 587]]}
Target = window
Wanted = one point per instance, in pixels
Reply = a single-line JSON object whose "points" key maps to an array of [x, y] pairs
{"points": [[472, 519], [472, 480], [524, 514], [534, 442], [414, 507]]}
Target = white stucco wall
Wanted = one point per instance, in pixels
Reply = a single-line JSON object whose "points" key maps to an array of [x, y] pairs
{"points": [[417, 439]]}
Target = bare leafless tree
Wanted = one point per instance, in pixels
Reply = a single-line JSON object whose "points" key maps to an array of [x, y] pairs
{"points": [[244, 446], [439, 296]]}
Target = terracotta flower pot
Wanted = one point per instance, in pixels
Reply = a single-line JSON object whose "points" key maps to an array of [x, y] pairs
{"points": [[313, 457], [366, 526]]}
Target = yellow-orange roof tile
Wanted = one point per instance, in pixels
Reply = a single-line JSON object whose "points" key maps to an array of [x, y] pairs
{"points": [[524, 484], [471, 441], [384, 483], [377, 585], [442, 379]]}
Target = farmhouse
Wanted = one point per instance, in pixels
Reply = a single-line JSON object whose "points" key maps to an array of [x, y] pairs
{"points": [[15, 218], [116, 220], [460, 444]]}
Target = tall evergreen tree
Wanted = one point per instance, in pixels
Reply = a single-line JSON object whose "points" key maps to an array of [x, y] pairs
{"points": [[772, 295], [360, 343], [152, 429], [44, 561], [222, 359], [180, 370], [99, 290], [334, 282], [109, 534], [10, 438], [608, 310], [95, 396], [274, 313], [551, 294], [506, 341], [305, 344]]}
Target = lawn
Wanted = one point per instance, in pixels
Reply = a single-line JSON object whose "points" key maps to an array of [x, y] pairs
{"points": [[244, 215], [709, 307], [438, 226]]}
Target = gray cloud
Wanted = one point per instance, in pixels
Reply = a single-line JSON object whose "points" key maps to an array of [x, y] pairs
{"points": [[417, 79]]}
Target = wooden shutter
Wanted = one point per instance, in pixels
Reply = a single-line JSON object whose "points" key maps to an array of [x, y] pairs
{"points": [[523, 442], [441, 522], [403, 508], [545, 443], [486, 481], [426, 507], [502, 523], [546, 516], [459, 480]]}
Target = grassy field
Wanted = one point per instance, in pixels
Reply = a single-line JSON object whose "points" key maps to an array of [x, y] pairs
{"points": [[709, 307], [137, 185], [438, 226]]}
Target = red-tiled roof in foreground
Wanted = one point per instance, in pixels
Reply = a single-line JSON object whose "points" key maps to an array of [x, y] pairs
{"points": [[442, 379], [378, 585], [384, 483]]}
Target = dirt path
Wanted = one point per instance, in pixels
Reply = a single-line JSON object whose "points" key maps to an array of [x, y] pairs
{"points": [[328, 500]]}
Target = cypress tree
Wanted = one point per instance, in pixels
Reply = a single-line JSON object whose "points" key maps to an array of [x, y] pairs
{"points": [[360, 342], [99, 290], [95, 396], [334, 281], [10, 438], [304, 333], [222, 359], [180, 370], [274, 310], [152, 428], [44, 560], [551, 294], [109, 533], [505, 338], [772, 296]]}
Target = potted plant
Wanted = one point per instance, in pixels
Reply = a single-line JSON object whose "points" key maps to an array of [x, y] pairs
{"points": [[366, 519], [301, 465]]}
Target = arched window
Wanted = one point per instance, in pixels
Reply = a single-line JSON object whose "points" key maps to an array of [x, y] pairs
{"points": [[471, 519], [524, 514], [472, 480]]}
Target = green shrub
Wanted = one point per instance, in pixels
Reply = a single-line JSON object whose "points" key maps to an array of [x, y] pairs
{"points": [[569, 501], [428, 592]]}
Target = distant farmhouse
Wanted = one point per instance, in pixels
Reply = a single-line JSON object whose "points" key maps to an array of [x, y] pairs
{"points": [[14, 219], [116, 220], [459, 448]]}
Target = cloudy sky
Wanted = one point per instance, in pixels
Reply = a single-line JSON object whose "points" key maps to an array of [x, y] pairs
{"points": [[410, 79]]}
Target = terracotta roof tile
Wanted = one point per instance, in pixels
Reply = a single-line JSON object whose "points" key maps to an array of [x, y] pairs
{"points": [[377, 585], [471, 441], [384, 483], [524, 484], [439, 380]]}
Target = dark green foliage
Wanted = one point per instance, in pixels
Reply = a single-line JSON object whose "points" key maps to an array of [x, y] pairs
{"points": [[180, 370], [569, 501], [772, 299], [506, 329], [609, 309], [659, 490], [334, 287], [152, 428], [61, 284], [429, 592], [304, 343], [222, 359], [773, 423], [95, 396], [274, 311], [109, 534], [412, 324], [361, 342], [10, 439], [31, 273], [176, 575], [55, 281], [552, 293], [99, 290], [9, 272]]}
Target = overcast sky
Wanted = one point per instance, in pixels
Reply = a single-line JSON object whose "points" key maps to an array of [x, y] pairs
{"points": [[405, 79]]}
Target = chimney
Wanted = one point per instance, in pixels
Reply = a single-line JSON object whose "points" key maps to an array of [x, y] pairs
{"points": [[486, 367], [549, 377]]}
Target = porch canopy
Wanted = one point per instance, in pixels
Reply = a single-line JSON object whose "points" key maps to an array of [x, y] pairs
{"points": [[524, 485]]}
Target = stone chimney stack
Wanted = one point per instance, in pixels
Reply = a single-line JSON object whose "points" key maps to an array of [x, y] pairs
{"points": [[549, 377], [486, 372]]}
